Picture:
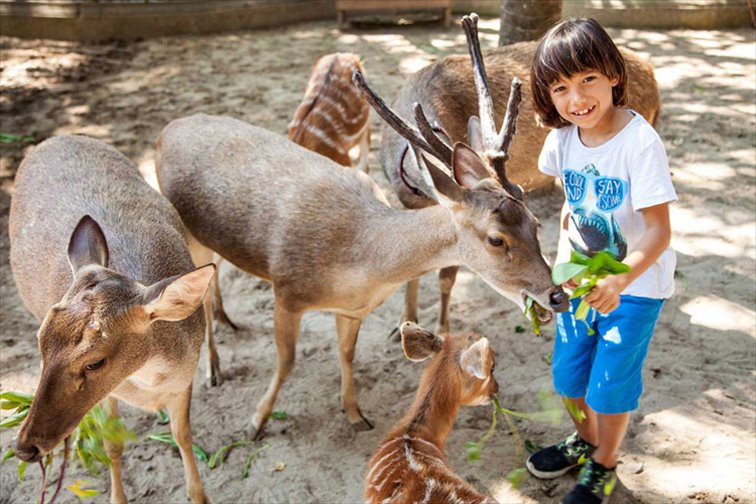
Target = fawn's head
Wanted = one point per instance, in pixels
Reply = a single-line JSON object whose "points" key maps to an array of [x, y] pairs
{"points": [[465, 362], [96, 336]]}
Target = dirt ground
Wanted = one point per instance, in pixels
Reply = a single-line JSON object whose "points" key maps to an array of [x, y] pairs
{"points": [[693, 437]]}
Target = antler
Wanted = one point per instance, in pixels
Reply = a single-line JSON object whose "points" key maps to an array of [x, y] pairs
{"points": [[426, 139], [496, 146]]}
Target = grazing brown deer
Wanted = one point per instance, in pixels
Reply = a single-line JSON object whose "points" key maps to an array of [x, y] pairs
{"points": [[333, 116], [327, 239], [445, 90], [410, 465], [100, 258]]}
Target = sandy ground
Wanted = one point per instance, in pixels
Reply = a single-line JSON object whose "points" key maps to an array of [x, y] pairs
{"points": [[692, 440]]}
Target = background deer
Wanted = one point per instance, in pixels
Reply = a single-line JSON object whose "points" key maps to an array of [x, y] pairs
{"points": [[333, 117], [444, 89], [410, 465], [117, 298]]}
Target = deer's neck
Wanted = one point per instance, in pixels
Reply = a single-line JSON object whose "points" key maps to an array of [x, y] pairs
{"points": [[435, 409], [409, 243]]}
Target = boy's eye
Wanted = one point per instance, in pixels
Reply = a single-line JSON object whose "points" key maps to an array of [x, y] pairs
{"points": [[590, 78], [557, 89]]}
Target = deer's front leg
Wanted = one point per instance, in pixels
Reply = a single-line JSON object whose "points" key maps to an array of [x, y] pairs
{"points": [[178, 410], [446, 279], [348, 329], [114, 451], [286, 328]]}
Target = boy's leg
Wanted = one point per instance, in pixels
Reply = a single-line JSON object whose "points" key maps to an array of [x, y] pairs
{"points": [[611, 432], [588, 427]]}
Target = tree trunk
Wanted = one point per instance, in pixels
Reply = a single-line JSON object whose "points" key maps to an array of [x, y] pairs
{"points": [[527, 19]]}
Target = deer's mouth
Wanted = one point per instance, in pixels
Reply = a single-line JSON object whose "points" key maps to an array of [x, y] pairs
{"points": [[545, 315]]}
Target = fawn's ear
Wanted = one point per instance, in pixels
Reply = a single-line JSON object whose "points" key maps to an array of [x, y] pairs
{"points": [[467, 166], [473, 359], [419, 344], [176, 298]]}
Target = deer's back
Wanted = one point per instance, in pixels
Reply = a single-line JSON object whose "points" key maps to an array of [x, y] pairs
{"points": [[446, 90], [408, 468], [67, 177], [264, 203]]}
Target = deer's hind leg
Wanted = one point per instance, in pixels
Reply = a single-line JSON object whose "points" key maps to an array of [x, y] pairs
{"points": [[114, 451], [446, 279], [410, 308], [348, 329], [286, 327]]}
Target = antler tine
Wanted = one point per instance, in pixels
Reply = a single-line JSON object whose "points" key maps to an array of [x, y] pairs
{"points": [[440, 148], [485, 102], [400, 125], [509, 127]]}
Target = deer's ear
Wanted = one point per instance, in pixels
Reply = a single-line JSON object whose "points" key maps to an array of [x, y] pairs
{"points": [[176, 298], [419, 344], [443, 183], [87, 245], [467, 166], [475, 134], [473, 359]]}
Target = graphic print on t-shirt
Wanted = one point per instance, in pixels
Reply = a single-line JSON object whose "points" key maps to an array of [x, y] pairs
{"points": [[593, 199]]}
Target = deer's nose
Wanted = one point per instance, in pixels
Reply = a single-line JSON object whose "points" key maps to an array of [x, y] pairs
{"points": [[27, 453], [559, 300]]}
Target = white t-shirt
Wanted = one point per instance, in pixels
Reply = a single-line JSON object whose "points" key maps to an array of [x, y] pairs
{"points": [[606, 187]]}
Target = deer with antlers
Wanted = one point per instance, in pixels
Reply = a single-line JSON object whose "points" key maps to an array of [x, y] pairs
{"points": [[117, 293], [445, 91], [327, 239], [410, 465]]}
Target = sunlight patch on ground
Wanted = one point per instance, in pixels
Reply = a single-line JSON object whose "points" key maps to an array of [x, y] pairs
{"points": [[698, 235], [720, 314], [412, 64], [720, 472]]}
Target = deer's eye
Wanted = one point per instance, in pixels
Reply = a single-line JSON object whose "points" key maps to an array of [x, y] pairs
{"points": [[94, 366], [496, 242]]}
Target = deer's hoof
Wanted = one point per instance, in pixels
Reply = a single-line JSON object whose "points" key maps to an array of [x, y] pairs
{"points": [[395, 335], [361, 424], [222, 317], [256, 429]]}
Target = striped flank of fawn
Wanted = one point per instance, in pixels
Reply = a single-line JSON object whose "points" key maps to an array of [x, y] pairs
{"points": [[410, 465], [333, 116]]}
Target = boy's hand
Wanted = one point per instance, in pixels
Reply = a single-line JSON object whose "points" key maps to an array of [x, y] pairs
{"points": [[604, 296]]}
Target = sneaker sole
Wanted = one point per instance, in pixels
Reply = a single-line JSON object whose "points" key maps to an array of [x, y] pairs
{"points": [[547, 475]]}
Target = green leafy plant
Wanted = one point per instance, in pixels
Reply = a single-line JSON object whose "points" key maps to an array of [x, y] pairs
{"points": [[530, 313], [550, 412], [279, 415], [11, 138], [167, 437], [87, 440], [586, 272]]}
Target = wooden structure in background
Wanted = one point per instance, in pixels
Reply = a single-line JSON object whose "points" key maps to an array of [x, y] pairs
{"points": [[346, 7]]}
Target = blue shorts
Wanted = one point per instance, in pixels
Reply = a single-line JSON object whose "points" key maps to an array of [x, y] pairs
{"points": [[605, 368]]}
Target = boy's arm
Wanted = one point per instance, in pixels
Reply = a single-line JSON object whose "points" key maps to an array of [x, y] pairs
{"points": [[604, 297]]}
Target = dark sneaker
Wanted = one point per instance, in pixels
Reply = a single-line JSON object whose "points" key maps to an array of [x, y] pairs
{"points": [[594, 485], [553, 461]]}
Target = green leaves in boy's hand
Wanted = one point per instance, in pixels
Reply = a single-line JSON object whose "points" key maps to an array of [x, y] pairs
{"points": [[586, 272]]}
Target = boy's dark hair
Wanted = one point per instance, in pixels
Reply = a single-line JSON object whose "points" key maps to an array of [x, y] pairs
{"points": [[570, 47]]}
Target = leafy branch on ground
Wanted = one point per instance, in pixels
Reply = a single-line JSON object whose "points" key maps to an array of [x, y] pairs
{"points": [[550, 412]]}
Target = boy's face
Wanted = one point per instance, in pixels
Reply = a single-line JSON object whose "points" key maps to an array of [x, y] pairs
{"points": [[585, 99]]}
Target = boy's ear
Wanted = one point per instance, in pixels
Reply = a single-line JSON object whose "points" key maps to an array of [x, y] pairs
{"points": [[473, 359], [419, 344]]}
